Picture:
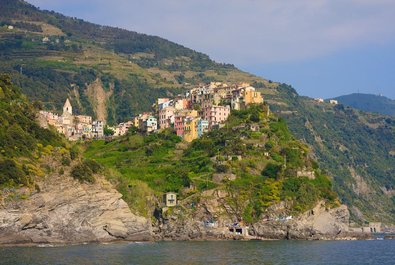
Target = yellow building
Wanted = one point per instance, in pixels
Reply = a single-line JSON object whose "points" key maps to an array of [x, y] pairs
{"points": [[191, 113], [187, 113], [191, 129], [136, 122], [251, 96]]}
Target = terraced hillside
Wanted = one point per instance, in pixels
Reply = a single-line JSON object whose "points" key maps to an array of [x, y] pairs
{"points": [[53, 57], [254, 158]]}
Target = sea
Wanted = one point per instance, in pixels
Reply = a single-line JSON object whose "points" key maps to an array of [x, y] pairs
{"points": [[207, 252]]}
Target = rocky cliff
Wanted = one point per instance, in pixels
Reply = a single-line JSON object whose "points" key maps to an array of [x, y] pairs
{"points": [[63, 211], [315, 224], [213, 218]]}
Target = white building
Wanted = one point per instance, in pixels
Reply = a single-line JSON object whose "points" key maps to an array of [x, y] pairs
{"points": [[166, 117], [151, 124], [202, 127], [98, 129]]}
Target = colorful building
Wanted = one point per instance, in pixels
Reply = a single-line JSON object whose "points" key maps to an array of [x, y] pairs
{"points": [[216, 115], [251, 96], [181, 104], [202, 127], [164, 103], [98, 129], [150, 125], [84, 119], [166, 117], [179, 125], [190, 129], [245, 96]]}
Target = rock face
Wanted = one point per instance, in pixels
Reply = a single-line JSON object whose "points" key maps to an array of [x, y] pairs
{"points": [[65, 211], [185, 223], [318, 223]]}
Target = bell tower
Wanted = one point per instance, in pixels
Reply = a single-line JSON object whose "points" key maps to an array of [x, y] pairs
{"points": [[67, 108]]}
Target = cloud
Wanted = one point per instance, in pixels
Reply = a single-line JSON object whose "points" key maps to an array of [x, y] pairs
{"points": [[247, 31]]}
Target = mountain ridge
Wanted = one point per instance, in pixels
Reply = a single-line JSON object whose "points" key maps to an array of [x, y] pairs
{"points": [[369, 102]]}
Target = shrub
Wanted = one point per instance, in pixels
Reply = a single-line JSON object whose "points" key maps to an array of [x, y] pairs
{"points": [[271, 170], [66, 161], [11, 174], [93, 166], [255, 117], [82, 173], [74, 152], [221, 168]]}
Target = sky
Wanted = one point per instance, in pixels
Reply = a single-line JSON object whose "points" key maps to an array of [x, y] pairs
{"points": [[323, 48]]}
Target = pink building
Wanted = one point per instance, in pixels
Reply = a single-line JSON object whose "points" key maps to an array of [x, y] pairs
{"points": [[84, 119], [216, 114], [179, 124], [166, 117], [182, 104]]}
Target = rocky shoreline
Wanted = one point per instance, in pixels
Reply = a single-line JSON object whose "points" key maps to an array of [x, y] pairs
{"points": [[62, 211]]}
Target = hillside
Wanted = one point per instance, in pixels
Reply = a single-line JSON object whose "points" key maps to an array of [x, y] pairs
{"points": [[251, 171], [254, 159], [369, 103], [39, 175], [22, 141], [51, 57], [357, 148]]}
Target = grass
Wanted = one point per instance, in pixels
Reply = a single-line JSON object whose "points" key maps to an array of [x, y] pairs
{"points": [[163, 164]]}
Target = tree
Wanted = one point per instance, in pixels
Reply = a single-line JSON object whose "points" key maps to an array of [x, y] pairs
{"points": [[108, 131]]}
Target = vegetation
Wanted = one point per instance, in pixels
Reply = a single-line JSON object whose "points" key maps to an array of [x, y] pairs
{"points": [[369, 103], [84, 171], [163, 163], [22, 141], [139, 68], [356, 148]]}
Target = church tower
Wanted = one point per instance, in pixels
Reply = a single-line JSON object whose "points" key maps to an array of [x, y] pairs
{"points": [[67, 108]]}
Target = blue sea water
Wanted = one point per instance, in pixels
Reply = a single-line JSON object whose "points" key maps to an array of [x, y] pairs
{"points": [[214, 252]]}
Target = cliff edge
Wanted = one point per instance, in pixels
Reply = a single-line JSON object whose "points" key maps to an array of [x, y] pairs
{"points": [[64, 211]]}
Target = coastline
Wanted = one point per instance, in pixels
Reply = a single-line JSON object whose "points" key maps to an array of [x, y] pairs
{"points": [[355, 237]]}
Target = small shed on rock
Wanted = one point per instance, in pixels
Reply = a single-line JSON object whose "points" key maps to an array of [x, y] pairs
{"points": [[170, 199]]}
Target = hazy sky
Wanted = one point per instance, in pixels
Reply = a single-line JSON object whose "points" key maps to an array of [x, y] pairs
{"points": [[323, 48]]}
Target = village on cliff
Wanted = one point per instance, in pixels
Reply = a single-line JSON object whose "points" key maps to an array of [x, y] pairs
{"points": [[199, 110]]}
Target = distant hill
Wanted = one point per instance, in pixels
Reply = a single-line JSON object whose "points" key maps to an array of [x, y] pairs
{"points": [[369, 103], [105, 71]]}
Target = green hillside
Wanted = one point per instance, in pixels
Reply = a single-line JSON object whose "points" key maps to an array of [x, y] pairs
{"points": [[357, 148], [51, 57], [22, 141], [144, 166], [369, 103]]}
